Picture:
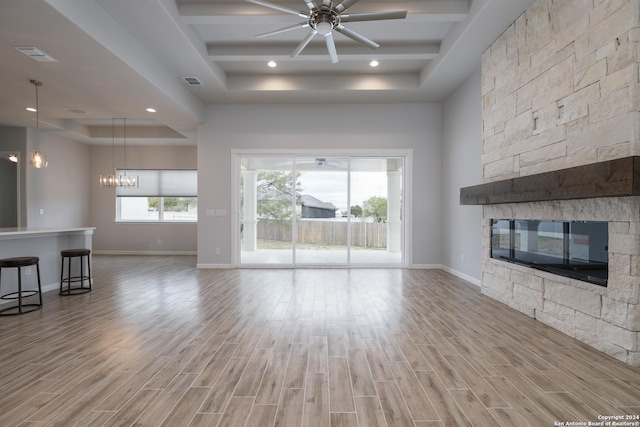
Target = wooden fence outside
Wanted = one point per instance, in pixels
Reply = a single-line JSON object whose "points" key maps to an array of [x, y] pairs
{"points": [[365, 234]]}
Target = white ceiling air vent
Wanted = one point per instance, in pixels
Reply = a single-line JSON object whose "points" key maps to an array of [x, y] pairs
{"points": [[192, 81], [36, 54]]}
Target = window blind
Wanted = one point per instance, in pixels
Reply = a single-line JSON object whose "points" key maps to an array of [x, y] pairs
{"points": [[161, 183]]}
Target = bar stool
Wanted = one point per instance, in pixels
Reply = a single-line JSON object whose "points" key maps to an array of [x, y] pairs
{"points": [[69, 254], [19, 263]]}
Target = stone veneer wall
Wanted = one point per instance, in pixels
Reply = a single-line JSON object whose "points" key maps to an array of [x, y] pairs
{"points": [[561, 88]]}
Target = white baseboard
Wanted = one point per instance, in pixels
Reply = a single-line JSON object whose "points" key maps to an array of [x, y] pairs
{"points": [[150, 253], [462, 275], [426, 266], [219, 266]]}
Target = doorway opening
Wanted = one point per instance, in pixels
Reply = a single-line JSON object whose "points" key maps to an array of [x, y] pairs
{"points": [[321, 210], [9, 189]]}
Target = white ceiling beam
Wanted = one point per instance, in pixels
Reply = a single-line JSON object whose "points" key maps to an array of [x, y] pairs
{"points": [[280, 51], [323, 83], [246, 13]]}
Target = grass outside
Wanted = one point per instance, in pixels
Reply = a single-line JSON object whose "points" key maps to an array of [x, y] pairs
{"points": [[279, 244]]}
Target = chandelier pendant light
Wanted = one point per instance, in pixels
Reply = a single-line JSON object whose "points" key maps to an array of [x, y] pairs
{"points": [[130, 181], [110, 180], [37, 158], [123, 180]]}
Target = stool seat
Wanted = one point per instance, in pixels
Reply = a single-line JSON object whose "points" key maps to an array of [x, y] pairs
{"points": [[23, 261], [74, 252], [68, 254], [20, 294]]}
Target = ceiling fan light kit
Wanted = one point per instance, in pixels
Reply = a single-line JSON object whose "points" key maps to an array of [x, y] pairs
{"points": [[324, 18]]}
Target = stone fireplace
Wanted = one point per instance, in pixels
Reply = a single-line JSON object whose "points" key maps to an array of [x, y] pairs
{"points": [[560, 90]]}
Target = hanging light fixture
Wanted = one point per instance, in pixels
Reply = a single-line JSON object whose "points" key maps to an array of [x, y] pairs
{"points": [[111, 180], [125, 180], [13, 158], [37, 158]]}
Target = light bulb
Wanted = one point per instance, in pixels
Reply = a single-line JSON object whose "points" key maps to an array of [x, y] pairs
{"points": [[324, 28]]}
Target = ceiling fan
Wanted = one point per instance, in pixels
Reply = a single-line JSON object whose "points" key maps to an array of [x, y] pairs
{"points": [[323, 18]]}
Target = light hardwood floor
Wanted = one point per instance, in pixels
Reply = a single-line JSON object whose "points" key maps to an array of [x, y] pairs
{"points": [[161, 343]]}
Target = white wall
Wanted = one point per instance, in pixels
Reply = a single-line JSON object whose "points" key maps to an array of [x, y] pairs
{"points": [[462, 167], [112, 237], [318, 127], [61, 190]]}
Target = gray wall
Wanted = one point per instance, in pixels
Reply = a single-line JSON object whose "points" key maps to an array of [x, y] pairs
{"points": [[58, 195], [461, 167], [318, 127], [112, 237]]}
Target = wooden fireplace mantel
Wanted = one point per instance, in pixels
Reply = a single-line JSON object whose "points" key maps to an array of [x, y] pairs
{"points": [[612, 178]]}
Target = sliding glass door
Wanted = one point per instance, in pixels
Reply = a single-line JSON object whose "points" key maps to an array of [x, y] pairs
{"points": [[303, 210]]}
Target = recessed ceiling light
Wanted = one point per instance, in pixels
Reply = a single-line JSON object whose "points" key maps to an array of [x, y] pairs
{"points": [[33, 110], [151, 110], [272, 64], [374, 63]]}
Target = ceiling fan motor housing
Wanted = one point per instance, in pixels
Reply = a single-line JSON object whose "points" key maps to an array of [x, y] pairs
{"points": [[320, 17]]}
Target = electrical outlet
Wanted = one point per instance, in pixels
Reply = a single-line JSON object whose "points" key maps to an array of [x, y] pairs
{"points": [[217, 251], [27, 271]]}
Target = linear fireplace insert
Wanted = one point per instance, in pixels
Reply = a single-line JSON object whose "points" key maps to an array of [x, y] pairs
{"points": [[576, 249]]}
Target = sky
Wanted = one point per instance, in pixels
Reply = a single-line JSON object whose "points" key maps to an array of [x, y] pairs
{"points": [[331, 186]]}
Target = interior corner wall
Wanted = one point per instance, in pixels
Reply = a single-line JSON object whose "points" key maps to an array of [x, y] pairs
{"points": [[462, 167], [137, 237], [318, 127], [58, 195]]}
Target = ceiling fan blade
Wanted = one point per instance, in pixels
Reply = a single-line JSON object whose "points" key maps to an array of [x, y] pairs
{"points": [[327, 3], [357, 37], [279, 8], [283, 30], [304, 43], [331, 47], [346, 4], [356, 17]]}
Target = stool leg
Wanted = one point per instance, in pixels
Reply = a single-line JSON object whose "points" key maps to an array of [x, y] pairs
{"points": [[69, 276], [19, 290], [82, 272], [39, 286], [89, 268], [61, 273]]}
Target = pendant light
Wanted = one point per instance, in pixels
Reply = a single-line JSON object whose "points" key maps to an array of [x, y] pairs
{"points": [[130, 181], [111, 180], [37, 158], [124, 180]]}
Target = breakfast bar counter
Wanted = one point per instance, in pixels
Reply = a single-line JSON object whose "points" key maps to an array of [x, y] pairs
{"points": [[46, 244]]}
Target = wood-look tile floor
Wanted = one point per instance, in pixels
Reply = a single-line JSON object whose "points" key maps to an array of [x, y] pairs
{"points": [[161, 343]]}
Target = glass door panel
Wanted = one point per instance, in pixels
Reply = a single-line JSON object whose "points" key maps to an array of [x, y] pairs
{"points": [[321, 206], [267, 210], [376, 197], [317, 210]]}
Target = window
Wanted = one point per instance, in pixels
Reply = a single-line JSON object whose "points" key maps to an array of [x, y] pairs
{"points": [[163, 195]]}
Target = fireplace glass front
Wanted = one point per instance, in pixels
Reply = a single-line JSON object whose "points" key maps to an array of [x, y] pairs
{"points": [[576, 249]]}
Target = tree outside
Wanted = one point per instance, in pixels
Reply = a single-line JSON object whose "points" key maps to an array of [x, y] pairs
{"points": [[274, 190], [357, 211], [376, 207]]}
